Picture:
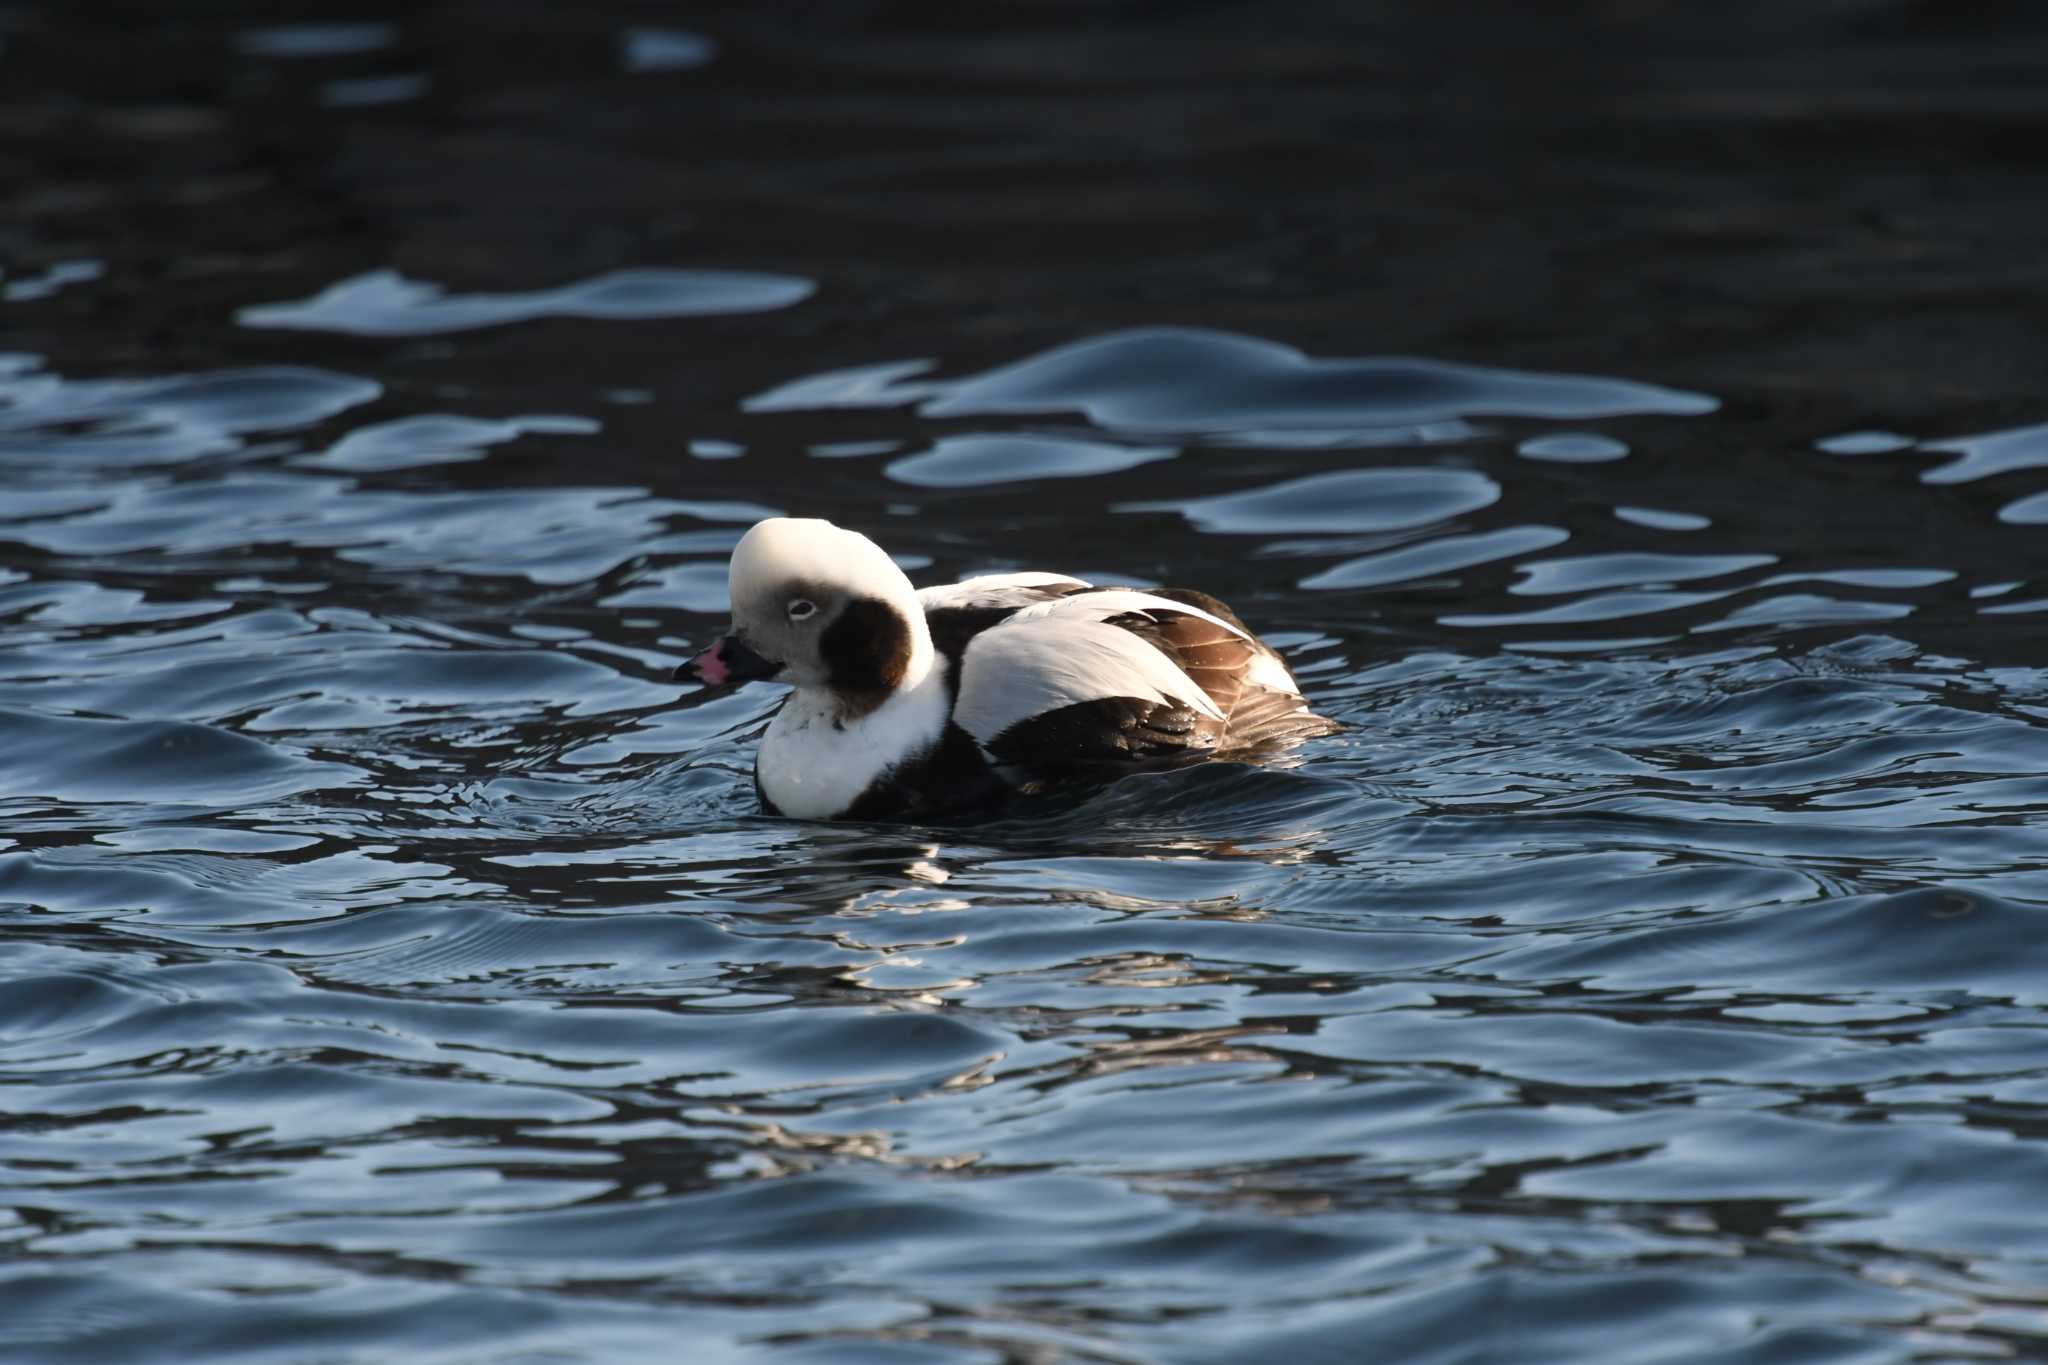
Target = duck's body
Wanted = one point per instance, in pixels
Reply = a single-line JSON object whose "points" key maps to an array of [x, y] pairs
{"points": [[943, 701]]}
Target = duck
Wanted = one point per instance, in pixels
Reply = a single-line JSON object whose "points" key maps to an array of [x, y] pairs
{"points": [[947, 701]]}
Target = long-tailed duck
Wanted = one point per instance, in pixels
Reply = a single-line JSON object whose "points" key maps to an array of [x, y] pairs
{"points": [[912, 703]]}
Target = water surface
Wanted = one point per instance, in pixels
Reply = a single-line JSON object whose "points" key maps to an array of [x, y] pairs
{"points": [[397, 967]]}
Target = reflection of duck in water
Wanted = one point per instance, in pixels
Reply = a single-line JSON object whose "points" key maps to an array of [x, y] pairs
{"points": [[913, 703]]}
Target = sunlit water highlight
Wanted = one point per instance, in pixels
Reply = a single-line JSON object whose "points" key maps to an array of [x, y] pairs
{"points": [[396, 966], [388, 927]]}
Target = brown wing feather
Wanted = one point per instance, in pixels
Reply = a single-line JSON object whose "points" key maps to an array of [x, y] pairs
{"points": [[1202, 601], [1217, 660], [1263, 716], [1213, 656]]}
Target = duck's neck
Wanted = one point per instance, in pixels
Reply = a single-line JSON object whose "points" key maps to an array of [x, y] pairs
{"points": [[878, 650], [920, 701], [817, 760], [919, 666]]}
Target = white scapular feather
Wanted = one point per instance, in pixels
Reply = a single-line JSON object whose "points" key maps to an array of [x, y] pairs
{"points": [[1265, 669], [993, 590], [1024, 668]]}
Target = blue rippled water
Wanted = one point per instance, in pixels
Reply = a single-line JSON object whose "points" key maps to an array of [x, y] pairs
{"points": [[395, 965]]}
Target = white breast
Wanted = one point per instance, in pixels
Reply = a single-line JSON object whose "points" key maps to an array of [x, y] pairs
{"points": [[813, 769]]}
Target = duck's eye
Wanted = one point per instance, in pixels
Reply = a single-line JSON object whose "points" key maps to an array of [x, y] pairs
{"points": [[802, 609]]}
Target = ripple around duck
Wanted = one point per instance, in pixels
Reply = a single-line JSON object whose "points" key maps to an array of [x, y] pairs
{"points": [[55, 424], [333, 1309], [385, 303], [439, 438], [648, 48], [1982, 457], [1587, 573], [1153, 379], [1277, 1034], [1573, 447], [68, 759], [303, 41], [2027, 511], [1161, 380], [563, 535], [398, 966], [1360, 500], [978, 461], [1444, 554], [1928, 938]]}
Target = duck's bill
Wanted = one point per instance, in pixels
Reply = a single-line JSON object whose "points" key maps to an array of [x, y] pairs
{"points": [[729, 662]]}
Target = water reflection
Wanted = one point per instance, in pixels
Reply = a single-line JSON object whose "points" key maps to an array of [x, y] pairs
{"points": [[291, 41], [646, 48], [1185, 379], [1366, 500], [974, 461], [385, 303], [397, 949], [47, 420]]}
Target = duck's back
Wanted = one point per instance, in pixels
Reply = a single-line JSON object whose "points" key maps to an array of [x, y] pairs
{"points": [[1054, 676]]}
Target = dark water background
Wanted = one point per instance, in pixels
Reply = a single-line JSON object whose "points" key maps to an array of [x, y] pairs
{"points": [[1631, 418]]}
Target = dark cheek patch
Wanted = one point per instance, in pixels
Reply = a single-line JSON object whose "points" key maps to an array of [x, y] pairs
{"points": [[867, 649]]}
